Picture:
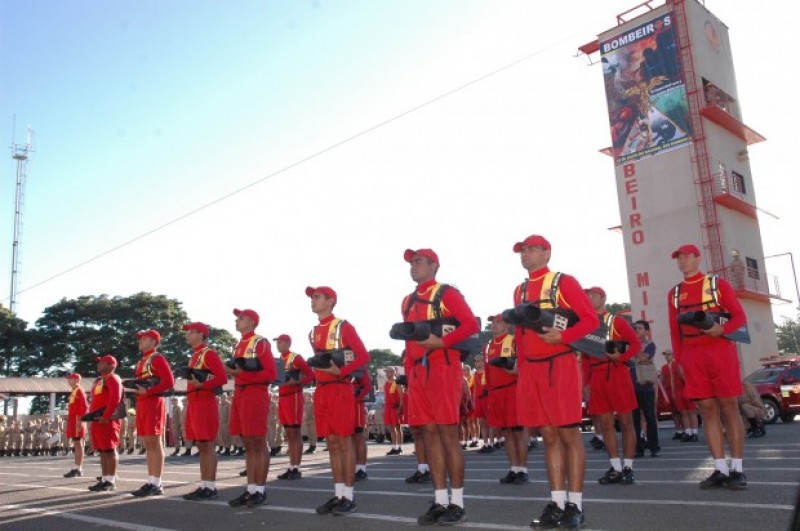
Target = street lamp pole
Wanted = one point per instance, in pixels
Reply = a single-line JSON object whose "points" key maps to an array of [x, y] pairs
{"points": [[794, 274]]}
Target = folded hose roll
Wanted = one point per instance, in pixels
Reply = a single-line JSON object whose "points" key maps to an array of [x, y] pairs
{"points": [[616, 347], [245, 364], [401, 379], [706, 320], [529, 315], [340, 357], [185, 372], [504, 362], [422, 330], [146, 383]]}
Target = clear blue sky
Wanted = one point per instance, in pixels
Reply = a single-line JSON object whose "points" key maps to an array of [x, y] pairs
{"points": [[146, 111]]}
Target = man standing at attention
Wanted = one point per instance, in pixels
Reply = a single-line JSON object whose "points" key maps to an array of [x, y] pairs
{"points": [[334, 398], [151, 411], [297, 374], [710, 363], [254, 370], [549, 394], [436, 381], [76, 431], [202, 413], [106, 393]]}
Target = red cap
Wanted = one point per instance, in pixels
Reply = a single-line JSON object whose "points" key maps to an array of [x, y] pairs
{"points": [[149, 333], [74, 376], [596, 289], [532, 241], [247, 313], [408, 255], [686, 249], [200, 327], [283, 337], [493, 318], [325, 290], [108, 358]]}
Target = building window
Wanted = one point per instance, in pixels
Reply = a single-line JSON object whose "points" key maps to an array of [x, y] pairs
{"points": [[752, 268], [738, 182]]}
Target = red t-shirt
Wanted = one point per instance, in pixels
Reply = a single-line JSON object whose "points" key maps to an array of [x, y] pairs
{"points": [[570, 296], [263, 352], [106, 392], [300, 364], [154, 364], [496, 348], [211, 362], [78, 405], [323, 337]]}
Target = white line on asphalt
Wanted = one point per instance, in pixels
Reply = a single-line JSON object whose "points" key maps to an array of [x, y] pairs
{"points": [[83, 518]]}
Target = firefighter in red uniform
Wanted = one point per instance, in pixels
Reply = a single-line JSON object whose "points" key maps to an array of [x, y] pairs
{"points": [[502, 385], [151, 412], [611, 390], [334, 399], [392, 411], [253, 369], [106, 393], [202, 413], [480, 397], [291, 402], [76, 430], [549, 394], [362, 390], [684, 411], [436, 381], [710, 363]]}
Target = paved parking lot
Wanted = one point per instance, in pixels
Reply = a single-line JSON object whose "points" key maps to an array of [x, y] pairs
{"points": [[35, 496]]}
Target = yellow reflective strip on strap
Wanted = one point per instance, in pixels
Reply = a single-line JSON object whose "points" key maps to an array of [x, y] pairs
{"points": [[333, 340], [507, 347]]}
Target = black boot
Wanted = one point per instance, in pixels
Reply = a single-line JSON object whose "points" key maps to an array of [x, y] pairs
{"points": [[753, 431], [227, 451]]}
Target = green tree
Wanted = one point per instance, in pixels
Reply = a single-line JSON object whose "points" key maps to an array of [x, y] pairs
{"points": [[73, 332], [380, 358], [15, 342], [788, 337]]}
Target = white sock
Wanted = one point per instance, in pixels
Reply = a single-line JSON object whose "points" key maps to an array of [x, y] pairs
{"points": [[111, 479], [348, 492], [616, 464], [338, 489], [722, 466], [79, 468], [577, 499], [361, 467], [441, 497], [261, 488], [156, 481], [628, 463], [680, 432], [211, 485], [457, 497], [523, 469], [560, 497], [736, 464], [422, 468], [251, 489], [293, 467], [515, 469], [600, 437]]}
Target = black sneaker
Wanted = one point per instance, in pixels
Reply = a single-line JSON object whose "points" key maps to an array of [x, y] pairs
{"points": [[361, 475], [572, 517], [550, 517], [327, 507], [292, 473], [486, 449], [453, 515], [627, 476], [717, 479], [737, 481], [259, 498], [534, 443], [207, 494], [521, 479], [74, 473], [655, 452], [431, 516], [473, 444], [420, 477], [611, 476], [148, 489], [693, 438], [192, 496], [678, 436], [243, 473], [345, 506], [310, 450], [102, 486], [239, 500], [509, 478]]}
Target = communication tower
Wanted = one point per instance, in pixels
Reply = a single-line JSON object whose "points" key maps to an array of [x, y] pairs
{"points": [[21, 154]]}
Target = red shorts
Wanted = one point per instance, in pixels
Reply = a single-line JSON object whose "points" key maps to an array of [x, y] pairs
{"points": [[549, 392], [105, 436], [290, 409], [361, 416], [681, 403], [503, 407], [75, 428], [390, 416], [202, 417], [151, 415], [711, 371], [611, 389], [434, 391], [404, 413], [335, 409], [479, 409], [249, 410]]}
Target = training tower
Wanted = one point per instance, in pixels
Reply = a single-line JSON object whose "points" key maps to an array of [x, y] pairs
{"points": [[680, 150]]}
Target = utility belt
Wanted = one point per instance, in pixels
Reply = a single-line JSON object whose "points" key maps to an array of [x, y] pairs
{"points": [[424, 359], [609, 363], [549, 359]]}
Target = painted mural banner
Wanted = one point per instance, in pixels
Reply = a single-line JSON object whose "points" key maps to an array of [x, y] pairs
{"points": [[645, 90]]}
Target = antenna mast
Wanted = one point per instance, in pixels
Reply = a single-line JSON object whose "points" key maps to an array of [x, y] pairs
{"points": [[20, 153]]}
